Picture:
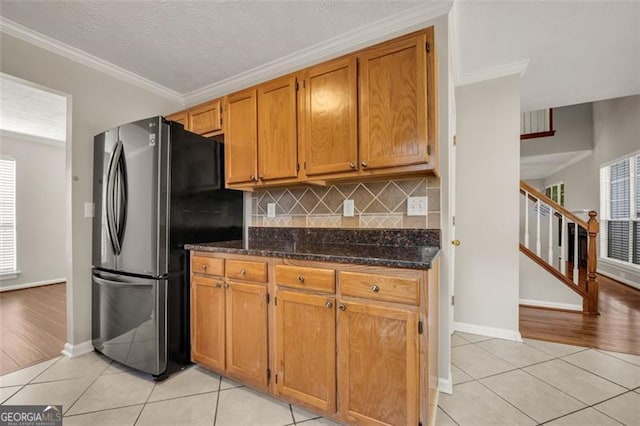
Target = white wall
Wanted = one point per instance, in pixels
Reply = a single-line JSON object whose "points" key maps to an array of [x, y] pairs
{"points": [[616, 133], [99, 102], [40, 210], [539, 288], [487, 203], [574, 132]]}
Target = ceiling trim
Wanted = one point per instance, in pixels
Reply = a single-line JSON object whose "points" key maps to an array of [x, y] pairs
{"points": [[8, 134], [503, 70], [26, 34], [412, 19]]}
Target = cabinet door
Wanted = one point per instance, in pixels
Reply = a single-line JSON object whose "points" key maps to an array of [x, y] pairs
{"points": [[241, 138], [179, 117], [306, 349], [330, 118], [206, 118], [393, 104], [207, 322], [378, 364], [277, 129], [247, 333]]}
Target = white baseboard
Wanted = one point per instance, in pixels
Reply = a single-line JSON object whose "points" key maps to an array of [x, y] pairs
{"points": [[73, 351], [500, 333], [555, 305], [618, 278], [29, 285], [445, 385]]}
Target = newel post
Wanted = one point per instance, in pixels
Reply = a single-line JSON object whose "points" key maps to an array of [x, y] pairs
{"points": [[590, 305]]}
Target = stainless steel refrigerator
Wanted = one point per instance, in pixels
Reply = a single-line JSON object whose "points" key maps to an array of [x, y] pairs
{"points": [[155, 188]]}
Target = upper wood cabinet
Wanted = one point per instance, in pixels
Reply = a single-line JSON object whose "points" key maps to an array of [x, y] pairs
{"points": [[306, 348], [179, 117], [330, 141], [241, 138], [206, 119], [378, 358], [277, 129], [393, 104]]}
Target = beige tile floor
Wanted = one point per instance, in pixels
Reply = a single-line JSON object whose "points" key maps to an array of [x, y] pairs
{"points": [[496, 382]]}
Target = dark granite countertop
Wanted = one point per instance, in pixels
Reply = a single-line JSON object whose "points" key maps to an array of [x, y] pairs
{"points": [[398, 256]]}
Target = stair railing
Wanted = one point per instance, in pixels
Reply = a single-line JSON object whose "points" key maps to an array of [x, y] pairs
{"points": [[555, 257]]}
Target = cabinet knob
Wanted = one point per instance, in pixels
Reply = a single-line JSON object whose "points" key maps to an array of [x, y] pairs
{"points": [[203, 267], [375, 288], [300, 279], [352, 164], [364, 164], [342, 307], [218, 285], [226, 286], [253, 178], [243, 272], [328, 304]]}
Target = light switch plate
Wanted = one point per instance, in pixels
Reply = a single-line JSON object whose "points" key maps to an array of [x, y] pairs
{"points": [[417, 206], [271, 209], [89, 209], [348, 208]]}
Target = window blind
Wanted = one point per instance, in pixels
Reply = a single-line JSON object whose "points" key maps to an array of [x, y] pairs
{"points": [[618, 242], [636, 245], [638, 190], [7, 215], [619, 190]]}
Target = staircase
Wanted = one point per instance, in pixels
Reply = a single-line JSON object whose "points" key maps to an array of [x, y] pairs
{"points": [[562, 244]]}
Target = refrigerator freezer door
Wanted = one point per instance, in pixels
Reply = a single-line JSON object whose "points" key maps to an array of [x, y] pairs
{"points": [[142, 205], [103, 254], [128, 323]]}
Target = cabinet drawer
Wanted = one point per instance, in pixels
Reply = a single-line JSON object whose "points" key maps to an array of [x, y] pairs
{"points": [[309, 278], [207, 265], [380, 287], [247, 271]]}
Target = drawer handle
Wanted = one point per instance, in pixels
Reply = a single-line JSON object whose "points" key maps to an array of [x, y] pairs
{"points": [[342, 307], [300, 279], [203, 266], [218, 285], [243, 271], [365, 164], [328, 304], [352, 164], [375, 288]]}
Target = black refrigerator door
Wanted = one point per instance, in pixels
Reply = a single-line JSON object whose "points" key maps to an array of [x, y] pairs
{"points": [[141, 198], [129, 320]]}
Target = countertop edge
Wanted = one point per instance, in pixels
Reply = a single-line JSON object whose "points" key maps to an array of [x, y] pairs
{"points": [[394, 263]]}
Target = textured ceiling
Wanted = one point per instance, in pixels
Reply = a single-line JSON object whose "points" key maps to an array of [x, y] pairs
{"points": [[578, 51], [31, 111], [185, 45]]}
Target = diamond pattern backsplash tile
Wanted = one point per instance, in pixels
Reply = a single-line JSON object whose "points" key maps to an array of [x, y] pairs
{"points": [[380, 204]]}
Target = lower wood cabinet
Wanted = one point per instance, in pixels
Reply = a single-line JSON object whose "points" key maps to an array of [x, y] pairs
{"points": [[378, 379], [306, 348], [354, 343]]}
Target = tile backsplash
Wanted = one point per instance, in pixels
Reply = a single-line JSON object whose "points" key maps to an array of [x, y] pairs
{"points": [[377, 205]]}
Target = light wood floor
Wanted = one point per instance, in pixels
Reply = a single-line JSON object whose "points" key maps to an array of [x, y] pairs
{"points": [[617, 328], [33, 326]]}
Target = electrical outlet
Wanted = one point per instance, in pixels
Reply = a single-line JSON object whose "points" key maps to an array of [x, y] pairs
{"points": [[417, 206], [271, 209], [348, 208]]}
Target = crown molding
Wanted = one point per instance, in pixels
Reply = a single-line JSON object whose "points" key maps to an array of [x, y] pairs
{"points": [[412, 19], [8, 134], [48, 43], [503, 70]]}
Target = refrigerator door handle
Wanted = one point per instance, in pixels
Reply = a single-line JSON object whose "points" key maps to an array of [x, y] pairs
{"points": [[110, 195], [121, 170], [103, 281]]}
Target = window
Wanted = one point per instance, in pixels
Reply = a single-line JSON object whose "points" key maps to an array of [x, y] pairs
{"points": [[620, 210], [555, 192], [7, 216]]}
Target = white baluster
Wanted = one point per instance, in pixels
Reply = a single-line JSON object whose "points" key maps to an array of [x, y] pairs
{"points": [[550, 236], [526, 219], [563, 246], [538, 230], [575, 254]]}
